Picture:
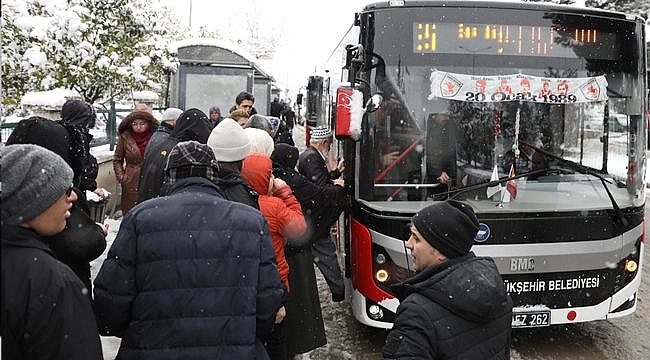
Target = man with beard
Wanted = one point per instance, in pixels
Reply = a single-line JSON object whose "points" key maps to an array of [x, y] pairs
{"points": [[312, 164]]}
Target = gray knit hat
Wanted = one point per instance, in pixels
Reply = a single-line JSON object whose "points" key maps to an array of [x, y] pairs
{"points": [[33, 179]]}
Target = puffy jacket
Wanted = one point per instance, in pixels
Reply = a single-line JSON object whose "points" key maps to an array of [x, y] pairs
{"points": [[190, 275], [43, 298], [281, 210], [456, 310]]}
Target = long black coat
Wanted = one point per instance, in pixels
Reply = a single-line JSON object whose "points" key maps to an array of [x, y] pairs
{"points": [[321, 204], [190, 275], [46, 313], [456, 310], [312, 166]]}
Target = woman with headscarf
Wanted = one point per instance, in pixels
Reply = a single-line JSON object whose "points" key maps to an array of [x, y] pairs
{"points": [[321, 206], [78, 117], [192, 124], [134, 133], [215, 116]]}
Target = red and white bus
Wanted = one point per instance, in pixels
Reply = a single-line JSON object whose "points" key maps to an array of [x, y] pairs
{"points": [[515, 103]]}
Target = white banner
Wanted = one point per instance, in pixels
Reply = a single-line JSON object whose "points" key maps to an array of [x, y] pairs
{"points": [[517, 87]]}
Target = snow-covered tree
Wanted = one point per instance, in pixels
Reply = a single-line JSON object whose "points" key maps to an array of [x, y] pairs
{"points": [[637, 7], [101, 48]]}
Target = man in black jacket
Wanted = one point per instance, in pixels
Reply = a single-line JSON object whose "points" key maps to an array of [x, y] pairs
{"points": [[312, 164], [46, 312], [456, 306], [191, 124], [231, 145]]}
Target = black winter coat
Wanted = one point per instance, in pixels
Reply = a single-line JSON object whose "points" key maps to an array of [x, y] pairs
{"points": [[235, 188], [312, 166], [457, 310], [190, 275], [321, 204], [190, 125], [45, 312], [82, 241], [161, 134]]}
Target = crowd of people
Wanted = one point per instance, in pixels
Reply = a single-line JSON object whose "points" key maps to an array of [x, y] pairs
{"points": [[223, 222]]}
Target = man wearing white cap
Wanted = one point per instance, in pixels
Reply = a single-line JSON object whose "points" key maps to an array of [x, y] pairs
{"points": [[231, 145], [167, 123], [312, 164]]}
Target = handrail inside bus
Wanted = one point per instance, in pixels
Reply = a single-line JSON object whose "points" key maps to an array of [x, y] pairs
{"points": [[401, 157]]}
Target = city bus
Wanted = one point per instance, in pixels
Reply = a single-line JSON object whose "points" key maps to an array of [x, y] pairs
{"points": [[515, 104]]}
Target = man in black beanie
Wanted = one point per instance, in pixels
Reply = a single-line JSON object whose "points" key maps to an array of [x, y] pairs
{"points": [[456, 306]]}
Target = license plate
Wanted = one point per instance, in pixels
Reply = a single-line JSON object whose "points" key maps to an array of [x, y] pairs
{"points": [[531, 319]]}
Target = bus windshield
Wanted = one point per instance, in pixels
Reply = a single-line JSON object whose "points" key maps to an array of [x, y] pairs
{"points": [[480, 96]]}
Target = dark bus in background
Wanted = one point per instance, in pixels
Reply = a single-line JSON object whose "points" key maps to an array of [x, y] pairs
{"points": [[213, 72], [474, 88]]}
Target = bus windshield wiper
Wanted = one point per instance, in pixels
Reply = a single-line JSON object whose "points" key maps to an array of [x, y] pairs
{"points": [[568, 163], [588, 171]]}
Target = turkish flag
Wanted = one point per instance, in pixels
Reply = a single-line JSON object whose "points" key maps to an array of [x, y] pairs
{"points": [[511, 186]]}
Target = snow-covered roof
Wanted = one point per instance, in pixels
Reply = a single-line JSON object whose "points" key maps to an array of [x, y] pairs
{"points": [[232, 47]]}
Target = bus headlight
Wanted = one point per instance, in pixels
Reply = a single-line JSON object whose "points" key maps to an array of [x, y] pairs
{"points": [[382, 275], [631, 266]]}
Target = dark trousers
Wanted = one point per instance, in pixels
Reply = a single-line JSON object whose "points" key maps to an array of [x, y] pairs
{"points": [[324, 254], [276, 345]]}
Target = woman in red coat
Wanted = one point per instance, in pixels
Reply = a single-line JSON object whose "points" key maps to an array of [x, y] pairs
{"points": [[284, 215], [135, 131]]}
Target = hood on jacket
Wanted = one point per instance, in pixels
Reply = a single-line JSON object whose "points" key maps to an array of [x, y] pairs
{"points": [[468, 286], [256, 170], [78, 112], [192, 124], [284, 156]]}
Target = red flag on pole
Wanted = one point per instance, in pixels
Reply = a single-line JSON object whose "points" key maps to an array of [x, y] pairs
{"points": [[511, 186]]}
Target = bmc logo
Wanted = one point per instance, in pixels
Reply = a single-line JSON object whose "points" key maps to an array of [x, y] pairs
{"points": [[522, 264]]}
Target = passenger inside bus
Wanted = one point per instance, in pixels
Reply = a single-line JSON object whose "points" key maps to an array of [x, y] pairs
{"points": [[441, 152]]}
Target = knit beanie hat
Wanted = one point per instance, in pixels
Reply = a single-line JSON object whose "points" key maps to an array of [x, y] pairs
{"points": [[33, 179], [229, 141], [449, 226], [171, 114], [320, 132], [260, 141], [191, 159]]}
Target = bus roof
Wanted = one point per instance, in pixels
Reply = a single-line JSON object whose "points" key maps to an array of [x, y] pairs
{"points": [[506, 4]]}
